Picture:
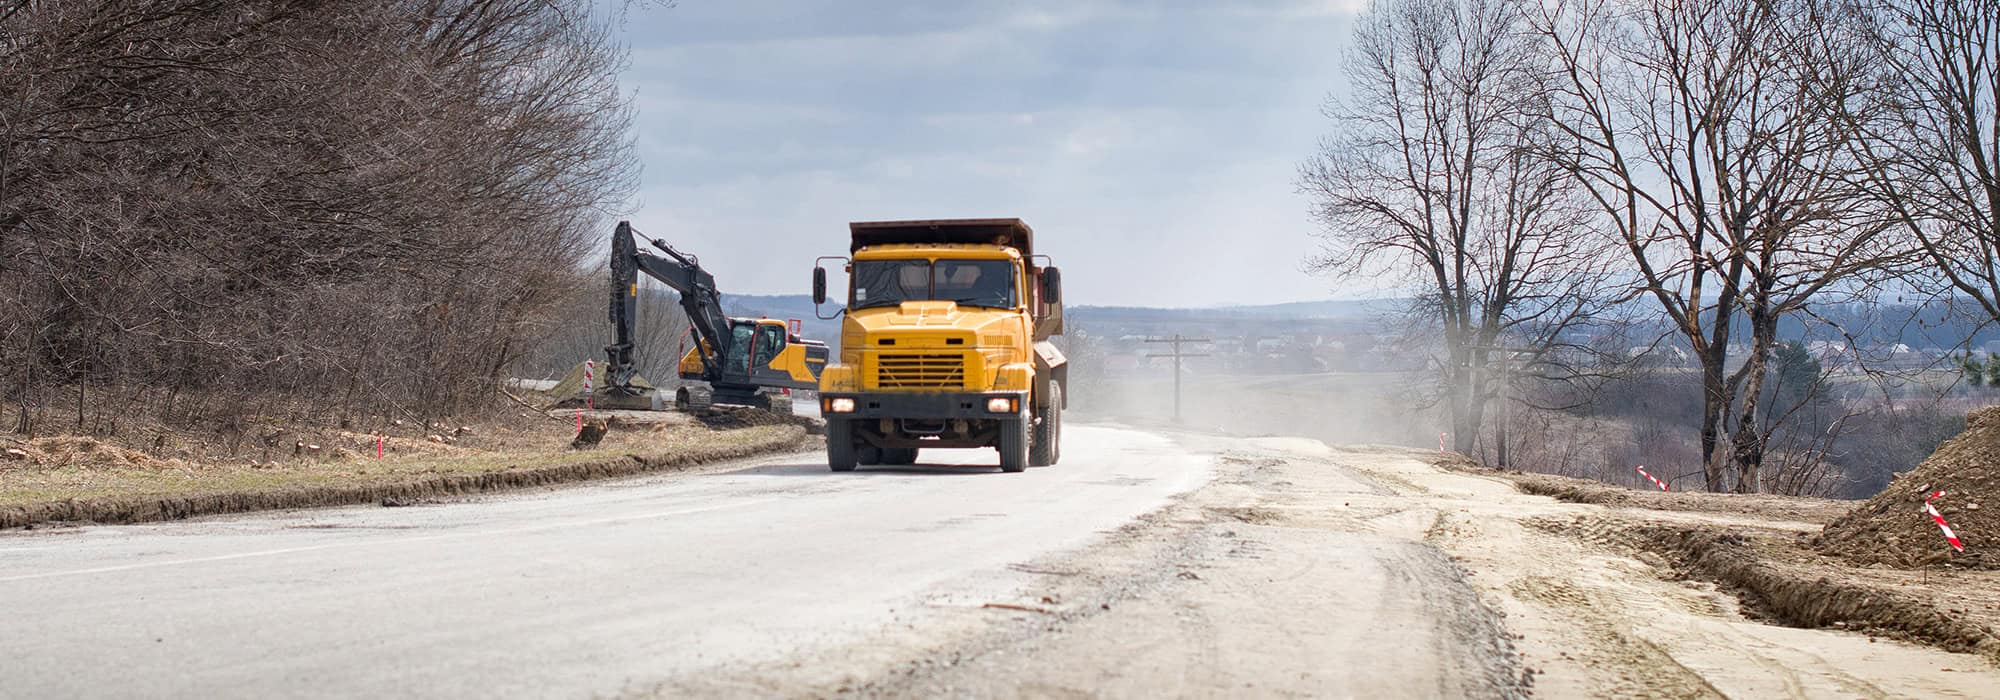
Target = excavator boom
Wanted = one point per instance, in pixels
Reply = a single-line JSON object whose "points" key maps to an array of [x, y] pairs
{"points": [[684, 274]]}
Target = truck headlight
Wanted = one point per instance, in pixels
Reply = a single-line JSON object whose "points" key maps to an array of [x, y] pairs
{"points": [[840, 405], [1000, 404]]}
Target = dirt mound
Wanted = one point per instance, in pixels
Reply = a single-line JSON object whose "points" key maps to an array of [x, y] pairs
{"points": [[1892, 528], [752, 417], [81, 452]]}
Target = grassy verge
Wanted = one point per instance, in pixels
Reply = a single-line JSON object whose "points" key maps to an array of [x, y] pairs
{"points": [[127, 491]]}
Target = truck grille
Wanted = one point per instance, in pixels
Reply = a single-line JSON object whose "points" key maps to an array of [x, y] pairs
{"points": [[919, 371]]}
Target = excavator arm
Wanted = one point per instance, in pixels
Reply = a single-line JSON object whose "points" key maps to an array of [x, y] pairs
{"points": [[678, 270]]}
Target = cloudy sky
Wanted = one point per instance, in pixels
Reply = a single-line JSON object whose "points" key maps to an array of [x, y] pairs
{"points": [[1152, 145]]}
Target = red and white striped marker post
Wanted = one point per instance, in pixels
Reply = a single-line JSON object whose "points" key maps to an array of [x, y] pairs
{"points": [[1948, 536], [1441, 442], [1649, 477], [379, 440], [589, 398]]}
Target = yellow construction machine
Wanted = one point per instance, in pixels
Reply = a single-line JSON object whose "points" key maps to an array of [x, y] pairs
{"points": [[737, 361], [945, 344]]}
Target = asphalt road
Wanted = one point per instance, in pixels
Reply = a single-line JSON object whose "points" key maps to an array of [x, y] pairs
{"points": [[573, 592]]}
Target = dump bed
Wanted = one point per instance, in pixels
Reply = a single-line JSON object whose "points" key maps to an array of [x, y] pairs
{"points": [[1008, 232]]}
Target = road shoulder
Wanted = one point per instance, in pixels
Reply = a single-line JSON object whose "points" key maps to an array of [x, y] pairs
{"points": [[1598, 617], [150, 494]]}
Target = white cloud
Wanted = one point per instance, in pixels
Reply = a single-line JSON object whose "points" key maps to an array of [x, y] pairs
{"points": [[1132, 135]]}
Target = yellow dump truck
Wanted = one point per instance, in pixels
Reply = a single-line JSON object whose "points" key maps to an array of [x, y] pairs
{"points": [[945, 344]]}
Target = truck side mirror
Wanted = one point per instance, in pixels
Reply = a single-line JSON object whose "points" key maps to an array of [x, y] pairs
{"points": [[819, 285], [1051, 285]]}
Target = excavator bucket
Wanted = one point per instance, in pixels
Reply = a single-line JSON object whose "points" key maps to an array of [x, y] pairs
{"points": [[569, 392]]}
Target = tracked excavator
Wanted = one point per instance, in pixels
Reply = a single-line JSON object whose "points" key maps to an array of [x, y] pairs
{"points": [[731, 361]]}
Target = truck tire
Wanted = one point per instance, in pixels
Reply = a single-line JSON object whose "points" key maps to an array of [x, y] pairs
{"points": [[1046, 448], [840, 445], [869, 455], [899, 455], [1014, 444]]}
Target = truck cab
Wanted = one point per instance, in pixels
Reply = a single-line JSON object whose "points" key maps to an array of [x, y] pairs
{"points": [[944, 344]]}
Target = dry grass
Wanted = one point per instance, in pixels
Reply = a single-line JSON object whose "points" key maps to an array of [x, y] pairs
{"points": [[70, 468]]}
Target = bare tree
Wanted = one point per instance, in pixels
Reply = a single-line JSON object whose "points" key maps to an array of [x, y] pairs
{"points": [[1429, 179], [1931, 145], [369, 205], [1708, 134]]}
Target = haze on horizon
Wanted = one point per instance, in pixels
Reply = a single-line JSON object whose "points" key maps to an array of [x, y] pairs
{"points": [[1152, 146]]}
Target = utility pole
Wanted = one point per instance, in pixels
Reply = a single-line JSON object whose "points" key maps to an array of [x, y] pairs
{"points": [[1177, 340], [1506, 356]]}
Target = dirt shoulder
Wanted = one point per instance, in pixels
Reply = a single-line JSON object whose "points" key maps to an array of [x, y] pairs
{"points": [[1761, 548], [72, 479]]}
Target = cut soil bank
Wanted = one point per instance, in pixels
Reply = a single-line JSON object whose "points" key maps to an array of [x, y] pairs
{"points": [[1806, 593], [134, 488], [1892, 528], [1756, 546]]}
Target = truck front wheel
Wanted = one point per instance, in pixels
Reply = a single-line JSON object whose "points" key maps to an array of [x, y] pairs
{"points": [[1047, 447], [840, 445], [1014, 444]]}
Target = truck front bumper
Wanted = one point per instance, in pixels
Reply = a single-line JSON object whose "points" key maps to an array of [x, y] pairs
{"points": [[886, 404]]}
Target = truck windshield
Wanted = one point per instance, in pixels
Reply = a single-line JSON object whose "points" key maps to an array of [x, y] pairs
{"points": [[988, 283]]}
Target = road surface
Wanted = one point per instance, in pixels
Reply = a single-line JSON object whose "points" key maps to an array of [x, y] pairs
{"points": [[1142, 566], [566, 593]]}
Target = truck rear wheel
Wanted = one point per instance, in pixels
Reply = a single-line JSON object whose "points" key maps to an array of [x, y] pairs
{"points": [[899, 455], [1014, 444], [1047, 447], [840, 445]]}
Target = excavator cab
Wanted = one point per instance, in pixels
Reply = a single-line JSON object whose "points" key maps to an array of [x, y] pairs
{"points": [[761, 353]]}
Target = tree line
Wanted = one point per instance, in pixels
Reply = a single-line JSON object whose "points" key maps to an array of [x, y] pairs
{"points": [[1540, 169], [212, 208]]}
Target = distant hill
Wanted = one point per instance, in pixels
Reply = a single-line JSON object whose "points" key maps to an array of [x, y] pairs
{"points": [[774, 305], [1316, 316], [1920, 326], [787, 306], [1346, 310]]}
